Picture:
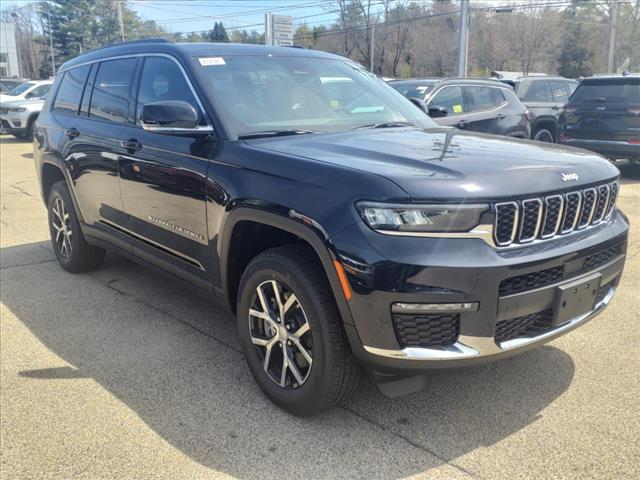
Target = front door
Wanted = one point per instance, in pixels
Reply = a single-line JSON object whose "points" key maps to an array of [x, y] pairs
{"points": [[163, 176]]}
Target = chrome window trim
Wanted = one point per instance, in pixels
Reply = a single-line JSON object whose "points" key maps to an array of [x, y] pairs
{"points": [[560, 216], [516, 221], [593, 208], [564, 231], [538, 221], [596, 221], [208, 126]]}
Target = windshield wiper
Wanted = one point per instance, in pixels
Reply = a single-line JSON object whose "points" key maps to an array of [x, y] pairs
{"points": [[274, 133], [385, 125]]}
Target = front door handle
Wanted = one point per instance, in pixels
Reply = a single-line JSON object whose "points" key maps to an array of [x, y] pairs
{"points": [[72, 132], [462, 124], [131, 144], [500, 116], [556, 107]]}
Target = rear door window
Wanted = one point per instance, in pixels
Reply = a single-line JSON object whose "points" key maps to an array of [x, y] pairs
{"points": [[112, 90], [450, 98], [538, 91], [559, 91], [480, 98], [39, 92], [70, 91]]}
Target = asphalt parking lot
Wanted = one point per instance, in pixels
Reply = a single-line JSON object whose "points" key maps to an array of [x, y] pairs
{"points": [[123, 373]]}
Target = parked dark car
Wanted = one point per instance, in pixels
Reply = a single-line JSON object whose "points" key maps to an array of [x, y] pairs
{"points": [[469, 104], [603, 115], [544, 97], [342, 226]]}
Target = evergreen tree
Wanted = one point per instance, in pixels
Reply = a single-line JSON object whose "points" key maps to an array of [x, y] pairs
{"points": [[218, 34]]}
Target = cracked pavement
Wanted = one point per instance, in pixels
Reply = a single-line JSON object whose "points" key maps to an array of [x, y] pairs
{"points": [[125, 373]]}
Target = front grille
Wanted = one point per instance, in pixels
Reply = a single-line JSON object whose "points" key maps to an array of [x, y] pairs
{"points": [[525, 326], [5, 124], [4, 110], [598, 259], [553, 215], [427, 331], [530, 281]]}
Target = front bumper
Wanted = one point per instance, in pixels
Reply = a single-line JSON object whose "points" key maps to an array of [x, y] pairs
{"points": [[14, 123], [612, 149], [444, 270]]}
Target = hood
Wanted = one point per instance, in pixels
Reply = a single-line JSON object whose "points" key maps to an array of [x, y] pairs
{"points": [[9, 98], [447, 163], [30, 103]]}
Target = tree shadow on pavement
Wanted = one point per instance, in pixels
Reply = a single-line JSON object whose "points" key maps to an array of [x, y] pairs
{"points": [[172, 357]]}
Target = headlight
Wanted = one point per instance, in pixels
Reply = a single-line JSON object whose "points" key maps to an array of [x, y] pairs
{"points": [[21, 109], [421, 218]]}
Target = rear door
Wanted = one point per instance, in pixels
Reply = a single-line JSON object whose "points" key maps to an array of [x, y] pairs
{"points": [[452, 99], [560, 95], [486, 108], [163, 176], [605, 109]]}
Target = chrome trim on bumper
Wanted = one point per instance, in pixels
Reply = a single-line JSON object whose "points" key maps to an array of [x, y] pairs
{"points": [[477, 347]]}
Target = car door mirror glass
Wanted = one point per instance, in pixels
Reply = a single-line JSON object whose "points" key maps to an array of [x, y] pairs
{"points": [[171, 116], [436, 111]]}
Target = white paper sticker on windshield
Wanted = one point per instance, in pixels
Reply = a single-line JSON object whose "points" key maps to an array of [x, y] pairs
{"points": [[207, 61]]}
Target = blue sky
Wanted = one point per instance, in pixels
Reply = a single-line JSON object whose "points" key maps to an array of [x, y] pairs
{"points": [[198, 15]]}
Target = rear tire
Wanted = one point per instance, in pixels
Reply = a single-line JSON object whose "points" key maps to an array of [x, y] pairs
{"points": [[71, 248], [325, 373], [543, 135]]}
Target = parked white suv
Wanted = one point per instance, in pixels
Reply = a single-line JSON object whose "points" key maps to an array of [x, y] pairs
{"points": [[20, 107]]}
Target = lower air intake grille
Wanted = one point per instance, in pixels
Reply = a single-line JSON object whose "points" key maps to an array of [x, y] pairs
{"points": [[600, 258], [427, 331], [530, 281], [524, 326]]}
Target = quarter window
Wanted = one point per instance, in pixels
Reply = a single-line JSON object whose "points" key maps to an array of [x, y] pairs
{"points": [[111, 91], [70, 91], [451, 99], [559, 90], [163, 80]]}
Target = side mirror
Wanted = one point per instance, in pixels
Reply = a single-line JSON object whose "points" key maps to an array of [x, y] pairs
{"points": [[418, 102], [436, 111], [172, 117]]}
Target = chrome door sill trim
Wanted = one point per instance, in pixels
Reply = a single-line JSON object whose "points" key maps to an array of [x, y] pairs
{"points": [[477, 347]]}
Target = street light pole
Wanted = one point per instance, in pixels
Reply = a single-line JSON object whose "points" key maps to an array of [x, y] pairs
{"points": [[372, 47], [463, 40], [53, 57], [612, 35], [120, 20]]}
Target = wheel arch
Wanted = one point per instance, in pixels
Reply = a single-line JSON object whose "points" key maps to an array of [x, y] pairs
{"points": [[314, 236], [549, 123]]}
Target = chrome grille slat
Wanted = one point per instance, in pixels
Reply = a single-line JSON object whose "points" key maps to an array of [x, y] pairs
{"points": [[546, 217]]}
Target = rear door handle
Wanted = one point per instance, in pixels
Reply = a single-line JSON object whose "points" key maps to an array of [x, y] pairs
{"points": [[500, 116], [131, 144], [462, 124], [72, 132], [556, 107]]}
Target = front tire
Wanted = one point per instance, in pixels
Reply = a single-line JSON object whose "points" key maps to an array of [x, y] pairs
{"points": [[72, 250], [291, 332]]}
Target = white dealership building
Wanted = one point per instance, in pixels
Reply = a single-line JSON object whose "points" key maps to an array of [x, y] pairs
{"points": [[9, 66]]}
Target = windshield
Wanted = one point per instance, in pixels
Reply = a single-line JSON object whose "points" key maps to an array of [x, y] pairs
{"points": [[616, 91], [414, 89], [23, 87], [277, 94]]}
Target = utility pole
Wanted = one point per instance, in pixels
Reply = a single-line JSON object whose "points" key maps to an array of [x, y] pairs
{"points": [[463, 40], [53, 58], [372, 47], [120, 20], [16, 34], [613, 23]]}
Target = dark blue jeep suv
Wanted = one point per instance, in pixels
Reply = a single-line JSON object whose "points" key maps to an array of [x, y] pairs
{"points": [[344, 228]]}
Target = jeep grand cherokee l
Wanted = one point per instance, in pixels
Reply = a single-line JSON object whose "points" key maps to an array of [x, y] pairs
{"points": [[342, 226]]}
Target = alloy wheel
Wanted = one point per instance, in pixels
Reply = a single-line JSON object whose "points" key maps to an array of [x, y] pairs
{"points": [[544, 136], [281, 333], [62, 226]]}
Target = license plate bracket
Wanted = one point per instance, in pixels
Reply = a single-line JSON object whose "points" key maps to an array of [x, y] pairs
{"points": [[576, 298]]}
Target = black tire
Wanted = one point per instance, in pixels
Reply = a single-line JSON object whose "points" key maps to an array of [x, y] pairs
{"points": [[30, 127], [544, 135], [75, 255], [332, 376]]}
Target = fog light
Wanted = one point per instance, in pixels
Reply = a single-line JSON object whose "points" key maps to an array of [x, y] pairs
{"points": [[434, 307]]}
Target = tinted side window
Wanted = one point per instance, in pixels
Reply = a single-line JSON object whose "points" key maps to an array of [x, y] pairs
{"points": [[70, 91], [498, 96], [538, 91], [163, 80], [86, 97], [449, 98], [559, 90], [479, 98], [572, 86], [111, 91]]}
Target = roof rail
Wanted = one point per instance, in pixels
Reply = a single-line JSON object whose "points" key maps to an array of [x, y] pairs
{"points": [[130, 42]]}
